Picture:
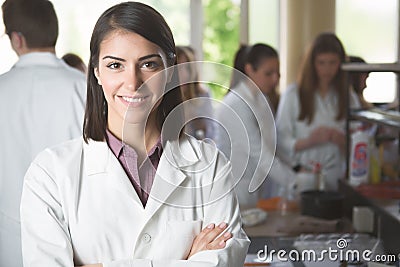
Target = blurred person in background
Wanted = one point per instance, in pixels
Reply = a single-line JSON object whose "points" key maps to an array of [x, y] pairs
{"points": [[42, 104], [358, 81], [201, 105], [238, 64], [75, 61], [311, 113], [259, 65]]}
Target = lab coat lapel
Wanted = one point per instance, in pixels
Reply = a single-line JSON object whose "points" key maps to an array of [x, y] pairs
{"points": [[169, 175], [100, 160]]}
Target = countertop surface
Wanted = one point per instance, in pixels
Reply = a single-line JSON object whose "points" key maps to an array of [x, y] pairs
{"points": [[292, 223], [280, 232]]}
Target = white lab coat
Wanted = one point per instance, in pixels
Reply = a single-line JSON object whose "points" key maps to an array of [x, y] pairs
{"points": [[249, 138], [42, 104], [78, 207], [290, 129]]}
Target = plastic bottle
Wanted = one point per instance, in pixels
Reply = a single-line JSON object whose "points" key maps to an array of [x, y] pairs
{"points": [[359, 158], [374, 163], [319, 177]]}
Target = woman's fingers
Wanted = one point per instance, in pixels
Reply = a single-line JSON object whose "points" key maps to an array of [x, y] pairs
{"points": [[219, 242], [211, 238]]}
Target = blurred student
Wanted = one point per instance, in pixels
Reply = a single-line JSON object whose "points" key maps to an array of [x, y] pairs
{"points": [[311, 114], [200, 104], [75, 61], [248, 99], [240, 59], [358, 81], [42, 104]]}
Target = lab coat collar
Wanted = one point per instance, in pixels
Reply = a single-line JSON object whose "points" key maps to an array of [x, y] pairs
{"points": [[247, 91], [169, 176], [178, 154], [96, 156], [38, 59]]}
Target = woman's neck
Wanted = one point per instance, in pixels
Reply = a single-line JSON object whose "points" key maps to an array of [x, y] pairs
{"points": [[323, 89], [141, 137]]}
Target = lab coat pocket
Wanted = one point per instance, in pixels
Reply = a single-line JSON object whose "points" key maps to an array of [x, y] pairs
{"points": [[180, 236]]}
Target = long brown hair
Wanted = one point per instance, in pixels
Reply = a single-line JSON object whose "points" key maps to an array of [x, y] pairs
{"points": [[308, 78], [141, 19], [193, 89]]}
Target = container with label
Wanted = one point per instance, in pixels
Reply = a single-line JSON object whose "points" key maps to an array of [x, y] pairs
{"points": [[359, 158]]}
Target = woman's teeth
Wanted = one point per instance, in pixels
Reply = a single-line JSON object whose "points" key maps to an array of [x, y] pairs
{"points": [[133, 99]]}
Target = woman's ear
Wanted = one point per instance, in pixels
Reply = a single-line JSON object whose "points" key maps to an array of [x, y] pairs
{"points": [[96, 74]]}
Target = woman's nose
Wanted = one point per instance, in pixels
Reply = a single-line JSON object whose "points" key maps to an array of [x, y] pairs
{"points": [[133, 79], [277, 76]]}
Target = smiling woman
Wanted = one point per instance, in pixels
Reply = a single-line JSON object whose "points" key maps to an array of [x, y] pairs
{"points": [[124, 194], [121, 72]]}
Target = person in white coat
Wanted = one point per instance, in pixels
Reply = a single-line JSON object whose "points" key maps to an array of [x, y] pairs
{"points": [[42, 104], [251, 109], [124, 194], [311, 113]]}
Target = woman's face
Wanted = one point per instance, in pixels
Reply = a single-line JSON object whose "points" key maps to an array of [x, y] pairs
{"points": [[126, 61], [266, 76], [327, 65]]}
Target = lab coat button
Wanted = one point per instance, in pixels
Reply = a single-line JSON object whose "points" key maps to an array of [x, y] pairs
{"points": [[146, 238]]}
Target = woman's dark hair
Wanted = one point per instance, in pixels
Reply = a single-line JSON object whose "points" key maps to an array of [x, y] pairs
{"points": [[131, 17], [252, 55], [74, 61], [308, 78], [355, 77], [258, 53], [255, 56], [238, 64]]}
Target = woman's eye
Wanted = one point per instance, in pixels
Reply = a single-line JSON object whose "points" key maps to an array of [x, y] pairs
{"points": [[150, 65], [270, 73], [114, 65]]}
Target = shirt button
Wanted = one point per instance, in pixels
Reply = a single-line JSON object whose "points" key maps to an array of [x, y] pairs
{"points": [[146, 238]]}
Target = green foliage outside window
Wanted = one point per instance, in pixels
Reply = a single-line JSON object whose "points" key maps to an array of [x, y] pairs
{"points": [[221, 35]]}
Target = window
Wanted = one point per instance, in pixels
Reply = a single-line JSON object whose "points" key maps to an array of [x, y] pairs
{"points": [[264, 22], [221, 36], [369, 29]]}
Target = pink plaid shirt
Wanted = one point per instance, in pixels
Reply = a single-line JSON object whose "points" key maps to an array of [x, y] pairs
{"points": [[141, 178]]}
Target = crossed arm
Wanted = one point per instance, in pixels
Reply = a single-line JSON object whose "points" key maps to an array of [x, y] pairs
{"points": [[210, 238]]}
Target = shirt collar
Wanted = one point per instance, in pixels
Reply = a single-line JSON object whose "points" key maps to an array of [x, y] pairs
{"points": [[117, 145], [114, 143], [39, 59]]}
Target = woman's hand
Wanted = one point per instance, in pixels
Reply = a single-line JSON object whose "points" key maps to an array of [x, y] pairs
{"points": [[321, 135], [338, 138], [318, 136], [208, 239]]}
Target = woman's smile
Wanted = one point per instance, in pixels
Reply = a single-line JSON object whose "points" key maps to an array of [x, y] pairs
{"points": [[133, 101]]}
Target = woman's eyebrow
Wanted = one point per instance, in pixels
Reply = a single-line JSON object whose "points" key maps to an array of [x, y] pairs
{"points": [[140, 59], [149, 56], [115, 58]]}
